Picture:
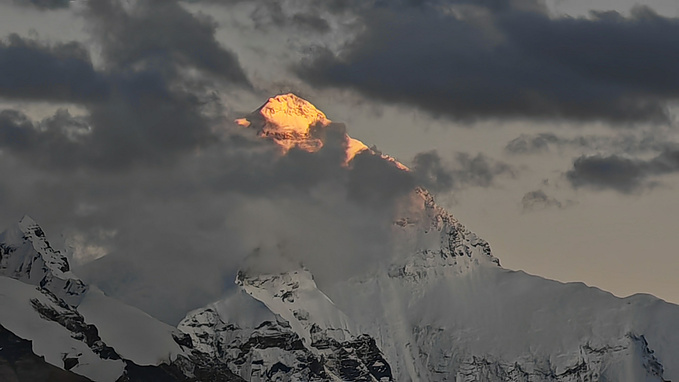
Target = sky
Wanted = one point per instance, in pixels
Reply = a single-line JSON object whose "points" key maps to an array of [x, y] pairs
{"points": [[546, 127]]}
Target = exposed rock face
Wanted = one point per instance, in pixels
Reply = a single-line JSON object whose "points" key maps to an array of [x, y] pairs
{"points": [[26, 255], [263, 351], [70, 319], [602, 363], [436, 243], [270, 348]]}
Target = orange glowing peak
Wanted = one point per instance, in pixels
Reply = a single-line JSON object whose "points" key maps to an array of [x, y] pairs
{"points": [[288, 120], [291, 113]]}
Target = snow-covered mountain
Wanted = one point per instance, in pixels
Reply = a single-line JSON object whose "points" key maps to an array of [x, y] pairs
{"points": [[443, 309], [440, 309], [53, 327]]}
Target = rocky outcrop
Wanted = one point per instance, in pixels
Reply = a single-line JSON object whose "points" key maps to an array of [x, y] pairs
{"points": [[271, 348], [590, 365], [26, 255]]}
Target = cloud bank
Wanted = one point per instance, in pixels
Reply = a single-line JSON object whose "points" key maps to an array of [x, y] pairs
{"points": [[622, 174], [507, 59]]}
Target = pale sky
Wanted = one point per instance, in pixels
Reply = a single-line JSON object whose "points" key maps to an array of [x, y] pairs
{"points": [[566, 118]]}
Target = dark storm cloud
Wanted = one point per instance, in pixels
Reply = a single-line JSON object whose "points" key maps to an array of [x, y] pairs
{"points": [[155, 175], [375, 181], [622, 174], [137, 127], [50, 143], [624, 143], [179, 233], [151, 100], [282, 14], [44, 4], [162, 36], [15, 130], [311, 22], [539, 200], [175, 235], [126, 177], [255, 168], [508, 59], [607, 172], [60, 72], [466, 171]]}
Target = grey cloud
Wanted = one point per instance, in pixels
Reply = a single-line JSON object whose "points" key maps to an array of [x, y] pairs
{"points": [[149, 173], [621, 174], [155, 175], [480, 170], [376, 182], [53, 142], [144, 107], [286, 14], [180, 232], [124, 133], [431, 172], [509, 60], [612, 172], [311, 22], [59, 72], [162, 36], [624, 143], [466, 171], [539, 200], [44, 4], [15, 129], [531, 144]]}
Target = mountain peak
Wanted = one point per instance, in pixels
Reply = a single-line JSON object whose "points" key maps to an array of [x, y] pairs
{"points": [[289, 120], [292, 113]]}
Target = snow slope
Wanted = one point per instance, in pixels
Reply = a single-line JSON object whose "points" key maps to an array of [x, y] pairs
{"points": [[50, 339], [135, 335], [295, 297], [512, 320], [73, 326]]}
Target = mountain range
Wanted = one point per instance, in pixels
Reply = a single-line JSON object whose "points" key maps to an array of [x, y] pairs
{"points": [[441, 308]]}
